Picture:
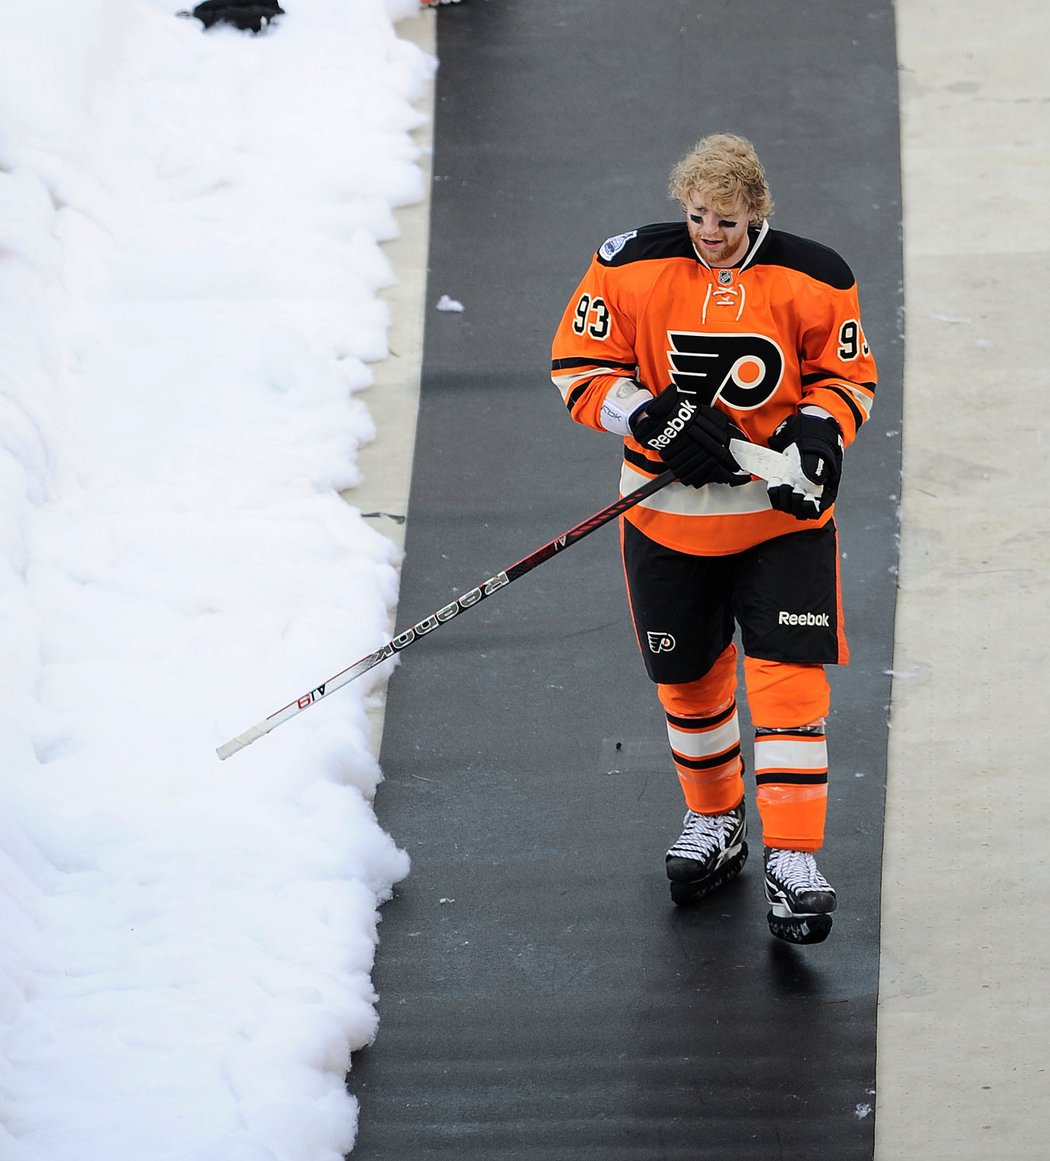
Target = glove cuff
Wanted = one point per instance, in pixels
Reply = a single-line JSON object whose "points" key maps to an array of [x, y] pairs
{"points": [[622, 402], [816, 414]]}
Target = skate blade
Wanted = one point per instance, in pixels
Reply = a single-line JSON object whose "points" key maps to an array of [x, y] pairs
{"points": [[800, 928], [691, 892]]}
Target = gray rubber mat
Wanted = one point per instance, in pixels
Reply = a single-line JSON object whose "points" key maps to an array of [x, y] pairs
{"points": [[540, 996]]}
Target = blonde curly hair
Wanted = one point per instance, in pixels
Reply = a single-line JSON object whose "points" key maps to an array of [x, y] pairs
{"points": [[726, 169]]}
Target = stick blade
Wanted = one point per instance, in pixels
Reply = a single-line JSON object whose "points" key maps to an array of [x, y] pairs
{"points": [[774, 467]]}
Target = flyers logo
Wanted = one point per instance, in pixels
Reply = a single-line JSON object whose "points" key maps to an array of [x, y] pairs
{"points": [[743, 371], [660, 642]]}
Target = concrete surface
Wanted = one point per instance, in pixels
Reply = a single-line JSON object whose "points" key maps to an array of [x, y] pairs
{"points": [[964, 1023]]}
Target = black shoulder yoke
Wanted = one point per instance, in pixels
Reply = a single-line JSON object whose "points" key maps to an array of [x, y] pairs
{"points": [[647, 244], [806, 256]]}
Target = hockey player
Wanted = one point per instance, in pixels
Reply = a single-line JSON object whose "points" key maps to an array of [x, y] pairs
{"points": [[681, 336]]}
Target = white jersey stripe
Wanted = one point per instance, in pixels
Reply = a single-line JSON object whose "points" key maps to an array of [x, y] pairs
{"points": [[711, 500]]}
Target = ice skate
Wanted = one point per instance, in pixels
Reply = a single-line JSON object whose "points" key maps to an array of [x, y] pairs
{"points": [[800, 898], [710, 851]]}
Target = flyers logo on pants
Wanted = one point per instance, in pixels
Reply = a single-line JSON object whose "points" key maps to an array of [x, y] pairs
{"points": [[660, 642], [743, 370]]}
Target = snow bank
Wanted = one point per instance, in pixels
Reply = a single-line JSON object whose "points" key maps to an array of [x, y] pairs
{"points": [[190, 261]]}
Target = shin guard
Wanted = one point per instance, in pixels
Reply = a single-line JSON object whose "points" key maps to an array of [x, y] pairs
{"points": [[703, 730]]}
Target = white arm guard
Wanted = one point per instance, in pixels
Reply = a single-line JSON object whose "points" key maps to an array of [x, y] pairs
{"points": [[625, 397]]}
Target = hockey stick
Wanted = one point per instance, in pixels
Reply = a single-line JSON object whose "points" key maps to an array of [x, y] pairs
{"points": [[445, 614], [775, 467]]}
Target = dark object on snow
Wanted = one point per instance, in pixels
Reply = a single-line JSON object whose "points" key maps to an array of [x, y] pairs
{"points": [[248, 15]]}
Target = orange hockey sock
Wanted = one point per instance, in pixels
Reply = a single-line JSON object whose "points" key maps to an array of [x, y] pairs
{"points": [[791, 759], [791, 778], [704, 734]]}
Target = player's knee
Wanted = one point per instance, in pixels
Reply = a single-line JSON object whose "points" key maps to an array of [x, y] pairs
{"points": [[782, 694], [705, 695]]}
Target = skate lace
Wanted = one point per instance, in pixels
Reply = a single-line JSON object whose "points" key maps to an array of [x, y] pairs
{"points": [[797, 870], [704, 834]]}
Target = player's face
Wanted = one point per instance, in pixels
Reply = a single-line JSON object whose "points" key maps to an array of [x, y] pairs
{"points": [[718, 233]]}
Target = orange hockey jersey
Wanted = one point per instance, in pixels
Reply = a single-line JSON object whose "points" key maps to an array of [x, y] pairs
{"points": [[758, 340]]}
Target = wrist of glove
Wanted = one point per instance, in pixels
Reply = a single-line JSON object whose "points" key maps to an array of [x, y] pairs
{"points": [[690, 437], [819, 443]]}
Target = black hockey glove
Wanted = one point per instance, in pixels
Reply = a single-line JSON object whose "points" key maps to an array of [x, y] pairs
{"points": [[690, 437], [248, 15], [819, 443]]}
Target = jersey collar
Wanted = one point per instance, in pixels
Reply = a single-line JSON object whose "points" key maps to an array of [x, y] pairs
{"points": [[757, 238]]}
